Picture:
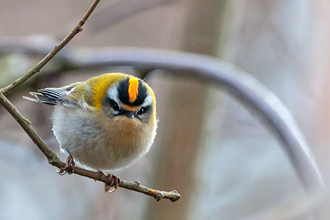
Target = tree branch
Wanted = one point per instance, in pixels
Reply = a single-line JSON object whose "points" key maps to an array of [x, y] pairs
{"points": [[50, 155], [26, 125], [55, 161], [49, 56]]}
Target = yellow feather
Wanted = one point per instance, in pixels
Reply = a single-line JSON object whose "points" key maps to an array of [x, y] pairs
{"points": [[153, 103], [99, 86]]}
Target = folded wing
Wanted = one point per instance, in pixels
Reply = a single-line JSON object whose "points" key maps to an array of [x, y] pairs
{"points": [[53, 96]]}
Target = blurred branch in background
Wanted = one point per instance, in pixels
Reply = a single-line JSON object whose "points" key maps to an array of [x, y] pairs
{"points": [[238, 83]]}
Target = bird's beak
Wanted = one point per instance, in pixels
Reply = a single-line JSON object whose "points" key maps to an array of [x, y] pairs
{"points": [[130, 114]]}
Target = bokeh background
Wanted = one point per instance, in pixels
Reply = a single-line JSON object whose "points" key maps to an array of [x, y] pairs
{"points": [[219, 156]]}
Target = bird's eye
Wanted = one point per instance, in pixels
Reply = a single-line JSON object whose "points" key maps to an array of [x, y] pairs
{"points": [[114, 105], [143, 110]]}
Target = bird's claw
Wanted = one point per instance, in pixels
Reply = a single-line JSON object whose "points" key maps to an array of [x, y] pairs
{"points": [[69, 166], [112, 182]]}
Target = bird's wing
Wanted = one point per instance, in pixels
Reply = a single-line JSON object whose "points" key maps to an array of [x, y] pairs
{"points": [[52, 96]]}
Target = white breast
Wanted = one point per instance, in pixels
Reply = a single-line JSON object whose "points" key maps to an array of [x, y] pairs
{"points": [[106, 144]]}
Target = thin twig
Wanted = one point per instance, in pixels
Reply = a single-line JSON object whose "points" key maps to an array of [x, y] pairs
{"points": [[50, 155], [49, 56], [26, 125], [55, 161]]}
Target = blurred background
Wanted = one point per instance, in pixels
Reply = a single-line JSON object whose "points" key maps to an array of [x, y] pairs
{"points": [[220, 157]]}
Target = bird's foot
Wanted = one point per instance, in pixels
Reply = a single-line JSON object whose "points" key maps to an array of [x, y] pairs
{"points": [[69, 166], [112, 182]]}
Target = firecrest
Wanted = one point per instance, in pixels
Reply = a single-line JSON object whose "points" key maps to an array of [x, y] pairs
{"points": [[105, 123]]}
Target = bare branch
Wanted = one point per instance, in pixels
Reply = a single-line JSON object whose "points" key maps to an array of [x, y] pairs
{"points": [[135, 186], [55, 161], [49, 56], [26, 125], [50, 155]]}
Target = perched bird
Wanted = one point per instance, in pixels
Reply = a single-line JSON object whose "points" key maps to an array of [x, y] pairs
{"points": [[105, 123]]}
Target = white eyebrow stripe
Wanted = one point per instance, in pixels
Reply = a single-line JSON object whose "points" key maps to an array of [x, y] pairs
{"points": [[147, 100], [113, 93]]}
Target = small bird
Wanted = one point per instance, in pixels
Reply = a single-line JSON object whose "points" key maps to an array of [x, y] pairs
{"points": [[105, 123]]}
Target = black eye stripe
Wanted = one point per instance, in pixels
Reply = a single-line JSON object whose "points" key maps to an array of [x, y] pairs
{"points": [[114, 104]]}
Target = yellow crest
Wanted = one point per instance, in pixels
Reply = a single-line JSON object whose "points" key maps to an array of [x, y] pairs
{"points": [[100, 85]]}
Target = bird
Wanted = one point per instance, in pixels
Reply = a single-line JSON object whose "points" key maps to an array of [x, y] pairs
{"points": [[104, 123]]}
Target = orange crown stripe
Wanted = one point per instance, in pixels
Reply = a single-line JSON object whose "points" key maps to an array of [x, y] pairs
{"points": [[133, 89]]}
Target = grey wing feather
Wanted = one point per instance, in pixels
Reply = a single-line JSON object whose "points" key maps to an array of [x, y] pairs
{"points": [[53, 93], [53, 96]]}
